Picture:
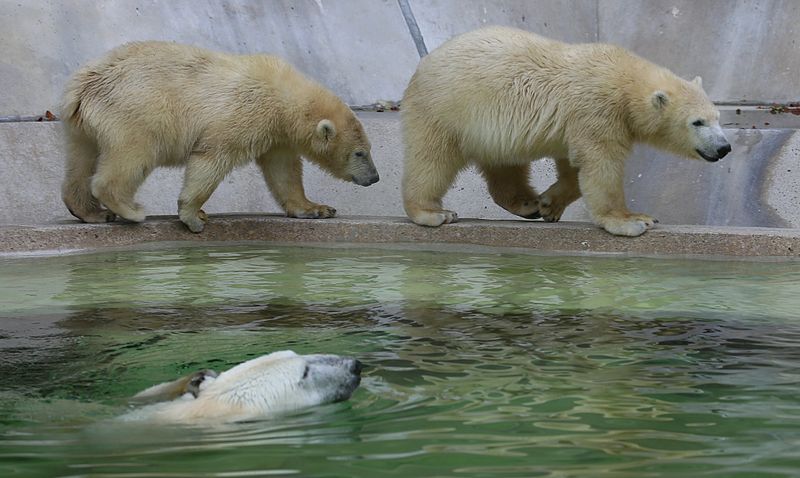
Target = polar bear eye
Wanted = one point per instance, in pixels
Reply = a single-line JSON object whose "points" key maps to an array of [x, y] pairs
{"points": [[305, 372], [699, 123], [360, 154]]}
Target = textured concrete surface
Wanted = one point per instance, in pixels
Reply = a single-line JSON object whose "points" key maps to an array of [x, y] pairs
{"points": [[782, 191], [365, 49], [731, 192], [44, 41], [745, 50], [572, 21], [33, 150], [756, 185], [541, 237]]}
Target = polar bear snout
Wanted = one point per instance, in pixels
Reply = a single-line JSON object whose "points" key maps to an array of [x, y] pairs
{"points": [[354, 380], [340, 376], [368, 180], [720, 153], [713, 143], [723, 150], [357, 367], [364, 172]]}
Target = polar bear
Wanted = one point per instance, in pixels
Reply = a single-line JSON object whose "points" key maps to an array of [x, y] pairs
{"points": [[261, 388], [150, 104], [500, 97]]}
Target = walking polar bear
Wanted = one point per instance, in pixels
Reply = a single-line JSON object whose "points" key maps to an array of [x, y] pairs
{"points": [[501, 97], [260, 388], [152, 104]]}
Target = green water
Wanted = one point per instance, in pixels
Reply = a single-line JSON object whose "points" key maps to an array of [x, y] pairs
{"points": [[478, 364]]}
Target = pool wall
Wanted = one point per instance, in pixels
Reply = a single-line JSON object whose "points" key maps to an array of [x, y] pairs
{"points": [[758, 184]]}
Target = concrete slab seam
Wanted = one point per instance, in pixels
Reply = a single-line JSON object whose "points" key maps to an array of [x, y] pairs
{"points": [[413, 28]]}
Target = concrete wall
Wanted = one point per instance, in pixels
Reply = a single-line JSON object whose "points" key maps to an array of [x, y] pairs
{"points": [[44, 41], [753, 186], [572, 21], [363, 49], [745, 50]]}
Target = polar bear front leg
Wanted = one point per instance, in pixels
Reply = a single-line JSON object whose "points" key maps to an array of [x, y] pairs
{"points": [[283, 172], [601, 183], [203, 174], [510, 188]]}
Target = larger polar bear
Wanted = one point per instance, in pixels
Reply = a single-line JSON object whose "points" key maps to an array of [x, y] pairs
{"points": [[501, 97], [152, 104], [260, 388]]}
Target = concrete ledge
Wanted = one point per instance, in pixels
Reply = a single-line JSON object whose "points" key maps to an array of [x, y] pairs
{"points": [[562, 237]]}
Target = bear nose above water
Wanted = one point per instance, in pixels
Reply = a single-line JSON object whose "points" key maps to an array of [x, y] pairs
{"points": [[723, 150], [356, 367]]}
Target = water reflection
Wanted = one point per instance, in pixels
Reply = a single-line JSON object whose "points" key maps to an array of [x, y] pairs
{"points": [[501, 365]]}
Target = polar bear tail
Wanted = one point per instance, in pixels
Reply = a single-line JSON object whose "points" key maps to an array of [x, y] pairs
{"points": [[81, 162]]}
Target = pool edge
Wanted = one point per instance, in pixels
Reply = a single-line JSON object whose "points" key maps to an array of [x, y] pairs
{"points": [[564, 237]]}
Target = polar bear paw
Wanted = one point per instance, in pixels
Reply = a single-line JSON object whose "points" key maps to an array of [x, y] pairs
{"points": [[195, 222], [528, 207], [313, 211], [551, 208], [436, 218], [98, 217], [629, 224]]}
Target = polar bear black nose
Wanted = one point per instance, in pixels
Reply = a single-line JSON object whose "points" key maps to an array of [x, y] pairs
{"points": [[723, 150], [356, 367]]}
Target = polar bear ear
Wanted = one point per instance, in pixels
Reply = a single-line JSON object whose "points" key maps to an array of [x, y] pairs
{"points": [[659, 99], [326, 130], [698, 81]]}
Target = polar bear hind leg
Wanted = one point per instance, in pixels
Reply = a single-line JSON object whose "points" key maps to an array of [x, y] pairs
{"points": [[510, 188], [431, 166]]}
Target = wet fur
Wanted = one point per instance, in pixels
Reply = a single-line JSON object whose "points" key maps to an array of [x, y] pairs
{"points": [[257, 389]]}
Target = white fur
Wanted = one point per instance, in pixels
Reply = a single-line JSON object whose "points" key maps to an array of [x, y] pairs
{"points": [[500, 97], [260, 388], [151, 104]]}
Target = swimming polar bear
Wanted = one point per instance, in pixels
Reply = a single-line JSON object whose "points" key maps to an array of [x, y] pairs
{"points": [[266, 386]]}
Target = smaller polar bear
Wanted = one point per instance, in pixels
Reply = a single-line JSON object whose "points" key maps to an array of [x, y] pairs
{"points": [[151, 104], [500, 98], [269, 385]]}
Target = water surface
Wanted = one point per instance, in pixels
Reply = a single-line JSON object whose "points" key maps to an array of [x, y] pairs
{"points": [[478, 363]]}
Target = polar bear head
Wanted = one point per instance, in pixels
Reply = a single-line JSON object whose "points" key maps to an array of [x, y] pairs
{"points": [[345, 151], [686, 121], [340, 145], [260, 388]]}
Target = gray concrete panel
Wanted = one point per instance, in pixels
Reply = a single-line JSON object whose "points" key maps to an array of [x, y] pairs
{"points": [[731, 192], [32, 155], [565, 20], [361, 49], [756, 185], [34, 151], [782, 188], [745, 50]]}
